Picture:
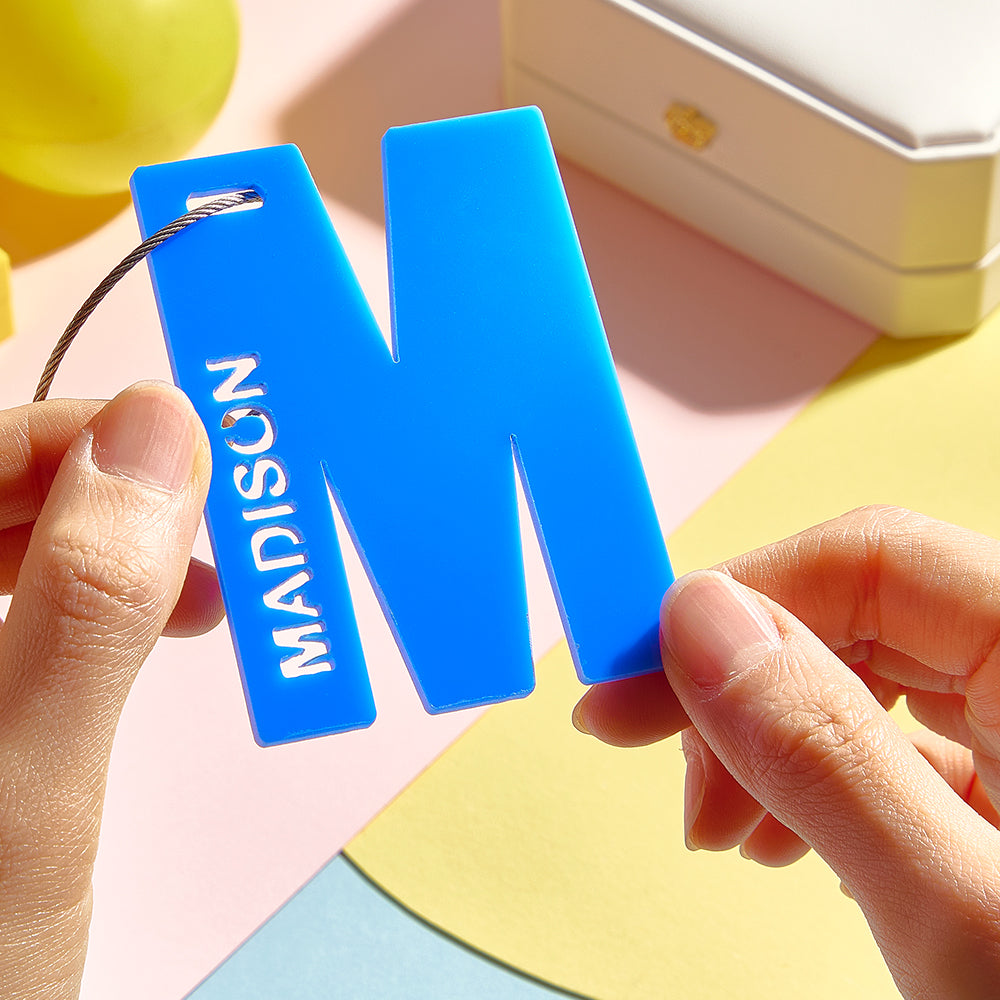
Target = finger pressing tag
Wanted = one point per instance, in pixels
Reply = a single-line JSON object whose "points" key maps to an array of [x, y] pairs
{"points": [[499, 367]]}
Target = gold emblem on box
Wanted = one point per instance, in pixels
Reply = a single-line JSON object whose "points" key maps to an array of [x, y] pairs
{"points": [[688, 125]]}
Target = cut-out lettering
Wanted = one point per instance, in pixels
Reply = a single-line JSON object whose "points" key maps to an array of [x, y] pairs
{"points": [[258, 474], [266, 513], [231, 387], [275, 561], [249, 445], [277, 597], [304, 662]]}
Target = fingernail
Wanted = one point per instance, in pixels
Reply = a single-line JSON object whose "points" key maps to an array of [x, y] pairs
{"points": [[579, 722], [146, 434], [694, 796], [713, 628]]}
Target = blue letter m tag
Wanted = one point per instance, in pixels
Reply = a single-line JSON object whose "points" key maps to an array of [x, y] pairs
{"points": [[499, 366]]}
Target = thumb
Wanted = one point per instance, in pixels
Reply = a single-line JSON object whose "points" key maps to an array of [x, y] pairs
{"points": [[104, 567], [804, 736], [102, 571]]}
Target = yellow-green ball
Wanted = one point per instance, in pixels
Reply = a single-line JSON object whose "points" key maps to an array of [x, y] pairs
{"points": [[91, 89]]}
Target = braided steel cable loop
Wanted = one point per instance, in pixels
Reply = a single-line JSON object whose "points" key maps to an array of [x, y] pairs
{"points": [[213, 207]]}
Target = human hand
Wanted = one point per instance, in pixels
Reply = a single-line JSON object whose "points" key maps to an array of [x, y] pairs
{"points": [[98, 511], [788, 747]]}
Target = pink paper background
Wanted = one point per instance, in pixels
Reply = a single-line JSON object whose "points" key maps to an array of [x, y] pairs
{"points": [[205, 835]]}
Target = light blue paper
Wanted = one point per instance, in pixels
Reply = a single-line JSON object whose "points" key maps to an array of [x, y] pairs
{"points": [[341, 937]]}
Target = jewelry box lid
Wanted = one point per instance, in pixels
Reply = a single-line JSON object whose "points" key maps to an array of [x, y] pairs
{"points": [[922, 72]]}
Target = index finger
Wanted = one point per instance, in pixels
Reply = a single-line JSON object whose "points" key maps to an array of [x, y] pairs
{"points": [[916, 598], [920, 592]]}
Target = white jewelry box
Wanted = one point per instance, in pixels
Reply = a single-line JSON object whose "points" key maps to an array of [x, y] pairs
{"points": [[852, 146]]}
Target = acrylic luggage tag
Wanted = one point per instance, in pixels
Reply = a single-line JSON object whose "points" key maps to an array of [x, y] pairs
{"points": [[499, 367]]}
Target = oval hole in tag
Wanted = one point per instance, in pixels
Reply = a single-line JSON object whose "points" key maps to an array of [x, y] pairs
{"points": [[195, 200]]}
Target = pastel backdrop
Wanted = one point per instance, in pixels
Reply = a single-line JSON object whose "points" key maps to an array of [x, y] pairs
{"points": [[205, 835]]}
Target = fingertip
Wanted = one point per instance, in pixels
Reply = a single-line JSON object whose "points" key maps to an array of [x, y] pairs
{"points": [[633, 712], [199, 607], [773, 845], [719, 813], [150, 434], [580, 714], [713, 628], [694, 795]]}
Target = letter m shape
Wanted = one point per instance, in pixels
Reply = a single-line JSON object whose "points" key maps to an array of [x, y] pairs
{"points": [[498, 368]]}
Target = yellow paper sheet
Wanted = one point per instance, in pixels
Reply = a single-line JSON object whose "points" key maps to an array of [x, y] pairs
{"points": [[565, 859], [914, 423], [6, 311]]}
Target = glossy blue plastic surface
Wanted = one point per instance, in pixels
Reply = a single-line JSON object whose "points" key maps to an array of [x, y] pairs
{"points": [[499, 367]]}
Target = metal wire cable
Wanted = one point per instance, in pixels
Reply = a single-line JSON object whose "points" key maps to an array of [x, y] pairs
{"points": [[212, 207]]}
